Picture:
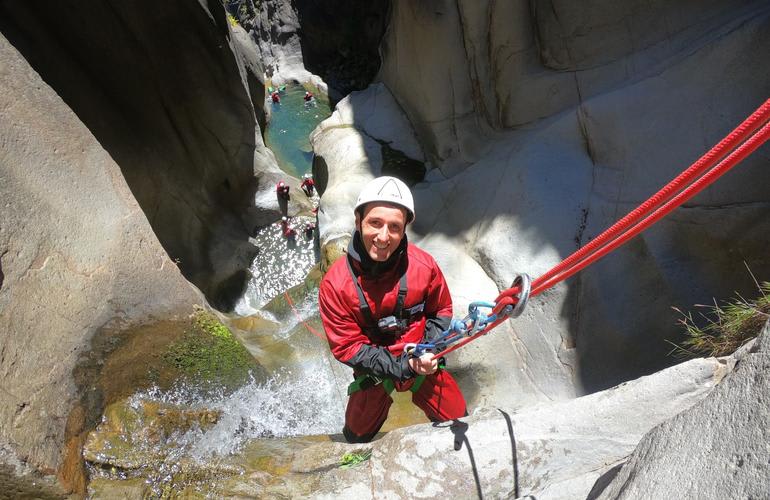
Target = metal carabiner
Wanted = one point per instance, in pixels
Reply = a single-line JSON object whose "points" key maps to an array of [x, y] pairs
{"points": [[525, 283]]}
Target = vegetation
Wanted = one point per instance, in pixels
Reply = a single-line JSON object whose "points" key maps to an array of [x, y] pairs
{"points": [[232, 19], [210, 354], [354, 458], [725, 328]]}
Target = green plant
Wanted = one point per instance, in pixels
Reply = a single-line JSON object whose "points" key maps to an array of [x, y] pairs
{"points": [[726, 327], [355, 458], [232, 19]]}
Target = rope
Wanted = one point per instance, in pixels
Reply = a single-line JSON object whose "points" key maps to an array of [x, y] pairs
{"points": [[299, 318], [745, 137]]}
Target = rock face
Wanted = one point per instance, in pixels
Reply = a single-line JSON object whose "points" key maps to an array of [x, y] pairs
{"points": [[551, 451], [336, 40], [77, 254], [277, 35], [542, 124], [171, 104], [716, 449], [340, 41]]}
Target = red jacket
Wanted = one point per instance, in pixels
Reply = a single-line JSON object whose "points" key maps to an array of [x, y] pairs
{"points": [[350, 337]]}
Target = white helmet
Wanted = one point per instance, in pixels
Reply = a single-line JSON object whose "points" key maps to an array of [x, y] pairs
{"points": [[389, 190]]}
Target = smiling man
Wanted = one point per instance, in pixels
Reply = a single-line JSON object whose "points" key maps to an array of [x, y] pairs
{"points": [[384, 294]]}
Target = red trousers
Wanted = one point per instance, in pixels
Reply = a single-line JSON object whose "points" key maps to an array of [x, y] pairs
{"points": [[438, 396]]}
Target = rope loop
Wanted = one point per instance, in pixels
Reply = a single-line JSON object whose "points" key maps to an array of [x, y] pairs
{"points": [[524, 284]]}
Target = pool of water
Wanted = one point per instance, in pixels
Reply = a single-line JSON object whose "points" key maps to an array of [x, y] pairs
{"points": [[291, 122]]}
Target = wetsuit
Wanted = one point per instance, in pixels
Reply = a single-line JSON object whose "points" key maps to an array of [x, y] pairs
{"points": [[356, 340]]}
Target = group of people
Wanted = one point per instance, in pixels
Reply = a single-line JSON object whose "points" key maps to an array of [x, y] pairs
{"points": [[282, 191], [291, 234], [308, 187], [275, 95]]}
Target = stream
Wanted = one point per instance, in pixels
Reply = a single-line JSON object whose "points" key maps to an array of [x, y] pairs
{"points": [[189, 438]]}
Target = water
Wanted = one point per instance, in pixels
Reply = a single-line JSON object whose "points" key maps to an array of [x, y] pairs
{"points": [[282, 406], [280, 264], [289, 129], [305, 394], [283, 263]]}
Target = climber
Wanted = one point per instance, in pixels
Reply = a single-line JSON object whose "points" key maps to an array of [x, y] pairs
{"points": [[308, 185], [387, 292], [309, 228], [276, 98], [282, 190], [308, 96]]}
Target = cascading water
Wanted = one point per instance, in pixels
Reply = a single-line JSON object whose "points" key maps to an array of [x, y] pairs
{"points": [[303, 394]]}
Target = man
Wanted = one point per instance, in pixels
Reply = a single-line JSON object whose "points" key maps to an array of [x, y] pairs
{"points": [[308, 185], [386, 293], [282, 191]]}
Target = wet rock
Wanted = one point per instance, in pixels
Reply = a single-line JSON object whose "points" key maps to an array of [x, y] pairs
{"points": [[551, 451], [133, 434]]}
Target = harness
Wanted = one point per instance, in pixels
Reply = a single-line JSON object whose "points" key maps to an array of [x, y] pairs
{"points": [[385, 329], [398, 322], [365, 381]]}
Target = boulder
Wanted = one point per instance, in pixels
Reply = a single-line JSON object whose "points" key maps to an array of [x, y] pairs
{"points": [[277, 35], [716, 449]]}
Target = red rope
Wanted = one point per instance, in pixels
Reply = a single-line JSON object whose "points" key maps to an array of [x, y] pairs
{"points": [[649, 212], [299, 318]]}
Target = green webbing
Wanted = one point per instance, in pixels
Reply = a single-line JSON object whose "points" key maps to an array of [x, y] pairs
{"points": [[387, 384], [355, 385], [418, 380]]}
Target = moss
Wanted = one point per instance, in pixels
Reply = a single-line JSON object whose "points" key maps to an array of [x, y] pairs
{"points": [[210, 355]]}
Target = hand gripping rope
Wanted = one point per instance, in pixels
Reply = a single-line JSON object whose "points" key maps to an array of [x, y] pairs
{"points": [[730, 151]]}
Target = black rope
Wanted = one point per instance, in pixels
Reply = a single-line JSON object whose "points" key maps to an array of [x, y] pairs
{"points": [[514, 455]]}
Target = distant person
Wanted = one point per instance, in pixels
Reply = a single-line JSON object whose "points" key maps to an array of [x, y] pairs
{"points": [[308, 185], [282, 191], [308, 96], [282, 89], [309, 228], [276, 98]]}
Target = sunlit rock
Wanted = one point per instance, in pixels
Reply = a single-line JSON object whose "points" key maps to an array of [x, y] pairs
{"points": [[716, 449]]}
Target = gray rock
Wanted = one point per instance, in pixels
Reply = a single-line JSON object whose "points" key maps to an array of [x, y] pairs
{"points": [[77, 254], [174, 106], [716, 449], [545, 123], [550, 451]]}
